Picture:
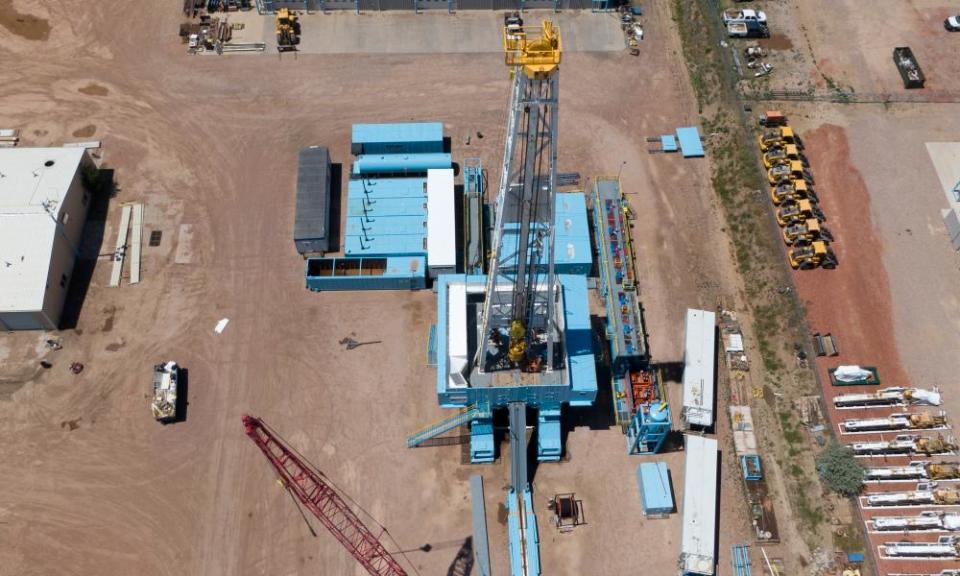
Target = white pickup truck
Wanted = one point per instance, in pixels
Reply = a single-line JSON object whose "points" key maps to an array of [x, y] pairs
{"points": [[732, 16]]}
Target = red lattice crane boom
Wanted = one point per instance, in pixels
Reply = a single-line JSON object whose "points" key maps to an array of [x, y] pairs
{"points": [[308, 486]]}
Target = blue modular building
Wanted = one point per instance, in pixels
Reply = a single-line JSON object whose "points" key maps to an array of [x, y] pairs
{"points": [[655, 494], [573, 254], [389, 240]]}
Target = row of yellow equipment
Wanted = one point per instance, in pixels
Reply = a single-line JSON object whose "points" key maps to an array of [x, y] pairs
{"points": [[791, 191]]}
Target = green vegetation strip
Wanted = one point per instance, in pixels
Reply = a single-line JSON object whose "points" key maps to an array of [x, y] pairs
{"points": [[778, 318]]}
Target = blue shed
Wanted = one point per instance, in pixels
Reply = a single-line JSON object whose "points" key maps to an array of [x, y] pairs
{"points": [[655, 494]]}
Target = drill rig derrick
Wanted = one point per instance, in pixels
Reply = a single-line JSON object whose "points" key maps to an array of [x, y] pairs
{"points": [[519, 327]]}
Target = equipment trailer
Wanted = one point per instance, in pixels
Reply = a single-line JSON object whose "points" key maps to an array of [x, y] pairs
{"points": [[893, 396], [165, 377]]}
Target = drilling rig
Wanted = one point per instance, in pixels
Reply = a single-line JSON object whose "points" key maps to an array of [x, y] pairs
{"points": [[521, 333]]}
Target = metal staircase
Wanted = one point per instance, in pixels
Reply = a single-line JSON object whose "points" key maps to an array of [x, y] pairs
{"points": [[459, 419]]}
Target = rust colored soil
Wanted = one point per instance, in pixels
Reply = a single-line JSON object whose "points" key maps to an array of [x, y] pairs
{"points": [[853, 301], [777, 42], [25, 25]]}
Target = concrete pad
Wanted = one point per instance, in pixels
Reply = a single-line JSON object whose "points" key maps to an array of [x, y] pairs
{"points": [[184, 245], [441, 33]]}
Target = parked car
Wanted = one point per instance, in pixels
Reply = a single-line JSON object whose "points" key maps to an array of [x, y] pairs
{"points": [[952, 23]]}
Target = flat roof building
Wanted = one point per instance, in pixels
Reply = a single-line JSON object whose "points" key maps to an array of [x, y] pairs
{"points": [[311, 229], [43, 206], [699, 358], [699, 541], [441, 222]]}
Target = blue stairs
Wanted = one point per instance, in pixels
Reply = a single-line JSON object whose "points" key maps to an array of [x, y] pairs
{"points": [[458, 419]]}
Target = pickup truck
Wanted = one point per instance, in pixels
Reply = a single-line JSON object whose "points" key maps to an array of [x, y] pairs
{"points": [[747, 30], [744, 16]]}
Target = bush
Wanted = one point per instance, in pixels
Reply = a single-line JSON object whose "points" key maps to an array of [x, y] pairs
{"points": [[840, 470]]}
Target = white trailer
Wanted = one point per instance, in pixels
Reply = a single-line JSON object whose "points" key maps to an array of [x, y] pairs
{"points": [[699, 358], [927, 521], [893, 396], [895, 423], [944, 547], [916, 470], [925, 494], [903, 444]]}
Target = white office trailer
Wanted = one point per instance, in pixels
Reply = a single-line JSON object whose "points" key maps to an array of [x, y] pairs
{"points": [[441, 222], [699, 541], [699, 359], [43, 206]]}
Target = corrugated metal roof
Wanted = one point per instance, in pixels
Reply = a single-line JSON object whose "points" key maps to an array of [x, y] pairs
{"points": [[698, 375], [441, 219], [313, 194], [699, 506]]}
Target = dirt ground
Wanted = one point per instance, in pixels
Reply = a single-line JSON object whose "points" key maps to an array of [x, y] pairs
{"points": [[847, 45], [891, 302], [92, 485]]}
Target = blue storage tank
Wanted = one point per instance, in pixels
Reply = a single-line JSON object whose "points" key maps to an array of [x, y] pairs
{"points": [[400, 163]]}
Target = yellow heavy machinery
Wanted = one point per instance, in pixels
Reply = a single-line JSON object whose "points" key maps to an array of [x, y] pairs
{"points": [[791, 191], [798, 211], [777, 137], [779, 154], [943, 471], [787, 169], [538, 57], [815, 254], [288, 30], [803, 233], [929, 446]]}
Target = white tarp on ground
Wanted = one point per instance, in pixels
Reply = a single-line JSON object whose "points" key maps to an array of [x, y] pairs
{"points": [[851, 373], [951, 521], [928, 397]]}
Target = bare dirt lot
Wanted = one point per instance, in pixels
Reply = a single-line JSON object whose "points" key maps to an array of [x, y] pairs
{"points": [[92, 485], [829, 45], [891, 302]]}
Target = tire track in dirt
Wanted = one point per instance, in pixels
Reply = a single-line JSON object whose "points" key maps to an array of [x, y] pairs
{"points": [[853, 301]]}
